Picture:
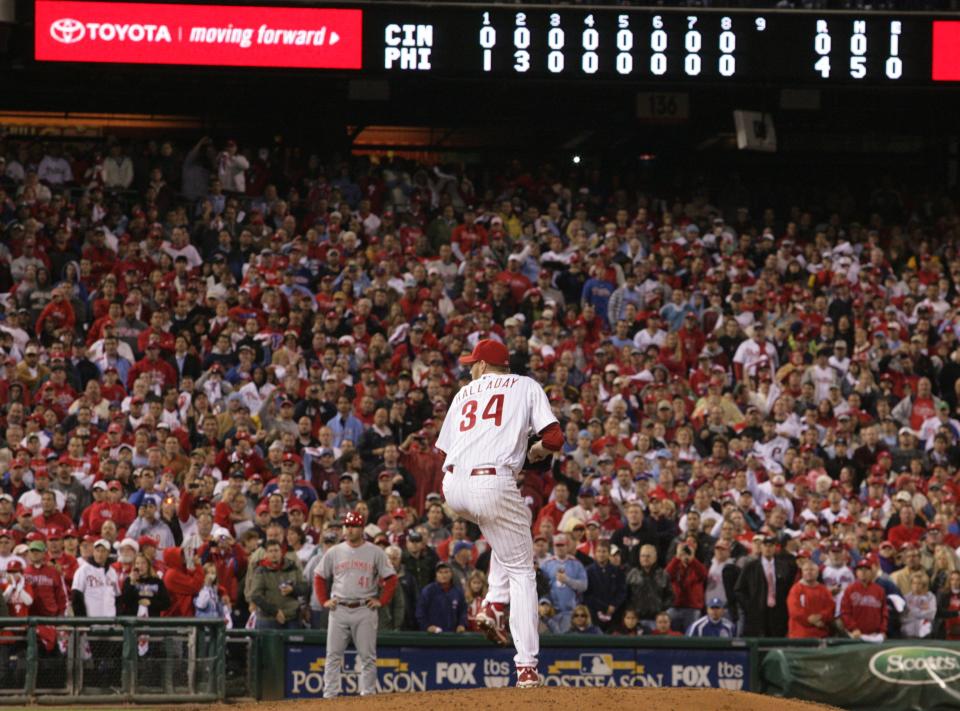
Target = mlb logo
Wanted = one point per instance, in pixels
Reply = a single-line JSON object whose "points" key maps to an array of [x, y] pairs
{"points": [[596, 664]]}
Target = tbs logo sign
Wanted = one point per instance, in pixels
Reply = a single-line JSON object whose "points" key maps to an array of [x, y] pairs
{"points": [[67, 30]]}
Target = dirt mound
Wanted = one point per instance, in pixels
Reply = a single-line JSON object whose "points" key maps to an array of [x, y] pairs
{"points": [[549, 698]]}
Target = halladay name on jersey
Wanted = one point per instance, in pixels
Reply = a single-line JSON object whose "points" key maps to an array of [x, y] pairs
{"points": [[479, 386]]}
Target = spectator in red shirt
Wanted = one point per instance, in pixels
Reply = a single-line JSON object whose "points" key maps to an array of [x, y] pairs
{"points": [[863, 607], [465, 238], [152, 364], [662, 626], [49, 593], [58, 314], [810, 605], [181, 583], [50, 518], [907, 531], [230, 561], [110, 508], [688, 576]]}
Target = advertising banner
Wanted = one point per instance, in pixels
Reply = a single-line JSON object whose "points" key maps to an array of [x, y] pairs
{"points": [[211, 35], [401, 669], [889, 677]]}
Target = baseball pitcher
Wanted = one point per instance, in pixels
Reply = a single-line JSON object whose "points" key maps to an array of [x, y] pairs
{"points": [[484, 438]]}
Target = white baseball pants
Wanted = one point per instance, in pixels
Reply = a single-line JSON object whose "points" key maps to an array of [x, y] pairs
{"points": [[495, 505]]}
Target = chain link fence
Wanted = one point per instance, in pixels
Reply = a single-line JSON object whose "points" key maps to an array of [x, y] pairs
{"points": [[126, 659]]}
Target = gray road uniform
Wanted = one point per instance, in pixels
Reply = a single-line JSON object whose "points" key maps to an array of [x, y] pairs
{"points": [[357, 574]]}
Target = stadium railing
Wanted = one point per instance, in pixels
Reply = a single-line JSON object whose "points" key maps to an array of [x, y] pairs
{"points": [[65, 660], [187, 660]]}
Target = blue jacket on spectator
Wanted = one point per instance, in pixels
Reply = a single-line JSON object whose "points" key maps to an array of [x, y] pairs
{"points": [[352, 429], [705, 627], [565, 596], [441, 606], [606, 586]]}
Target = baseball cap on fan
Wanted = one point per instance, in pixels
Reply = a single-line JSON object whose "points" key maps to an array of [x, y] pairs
{"points": [[489, 351]]}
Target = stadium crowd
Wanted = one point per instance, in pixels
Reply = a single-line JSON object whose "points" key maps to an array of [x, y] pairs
{"points": [[210, 355]]}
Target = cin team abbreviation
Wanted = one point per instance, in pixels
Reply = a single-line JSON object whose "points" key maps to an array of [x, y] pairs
{"points": [[408, 47]]}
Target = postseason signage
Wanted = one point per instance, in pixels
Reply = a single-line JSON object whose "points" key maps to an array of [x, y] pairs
{"points": [[402, 669], [210, 35]]}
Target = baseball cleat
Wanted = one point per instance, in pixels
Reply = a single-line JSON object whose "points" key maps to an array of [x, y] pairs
{"points": [[528, 678], [492, 621]]}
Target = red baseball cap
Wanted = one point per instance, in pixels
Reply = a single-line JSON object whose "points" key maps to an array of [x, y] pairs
{"points": [[488, 350], [297, 504]]}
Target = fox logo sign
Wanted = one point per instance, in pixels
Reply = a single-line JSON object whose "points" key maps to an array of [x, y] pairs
{"points": [[682, 675], [457, 673], [729, 675]]}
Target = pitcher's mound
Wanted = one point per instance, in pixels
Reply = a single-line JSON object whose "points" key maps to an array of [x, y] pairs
{"points": [[552, 698]]}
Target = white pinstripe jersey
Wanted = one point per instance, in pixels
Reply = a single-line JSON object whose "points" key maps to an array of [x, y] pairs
{"points": [[490, 419]]}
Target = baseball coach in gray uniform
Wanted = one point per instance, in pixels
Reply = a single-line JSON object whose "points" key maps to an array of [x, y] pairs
{"points": [[362, 581]]}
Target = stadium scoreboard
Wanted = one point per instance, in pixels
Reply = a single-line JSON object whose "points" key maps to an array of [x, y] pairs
{"points": [[512, 41]]}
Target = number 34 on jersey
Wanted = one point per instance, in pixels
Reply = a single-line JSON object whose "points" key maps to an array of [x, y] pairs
{"points": [[493, 410]]}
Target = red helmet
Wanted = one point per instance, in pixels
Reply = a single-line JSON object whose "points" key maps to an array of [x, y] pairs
{"points": [[353, 519]]}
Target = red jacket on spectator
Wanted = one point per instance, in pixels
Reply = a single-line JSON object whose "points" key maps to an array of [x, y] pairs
{"points": [[182, 584], [146, 365], [553, 511], [688, 581], [864, 608], [55, 521], [49, 593], [121, 513], [804, 601], [67, 565], [166, 339], [900, 534], [231, 565], [60, 312]]}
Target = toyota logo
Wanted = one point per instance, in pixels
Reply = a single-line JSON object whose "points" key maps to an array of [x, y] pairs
{"points": [[67, 30]]}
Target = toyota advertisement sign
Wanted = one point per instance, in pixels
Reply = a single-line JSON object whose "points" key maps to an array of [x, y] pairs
{"points": [[206, 35]]}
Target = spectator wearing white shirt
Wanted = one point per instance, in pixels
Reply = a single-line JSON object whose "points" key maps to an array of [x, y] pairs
{"points": [[932, 425], [774, 490], [840, 361], [117, 170], [651, 335], [96, 584], [921, 608], [822, 375], [751, 353], [179, 246], [54, 169], [230, 169], [836, 574], [32, 190], [28, 257]]}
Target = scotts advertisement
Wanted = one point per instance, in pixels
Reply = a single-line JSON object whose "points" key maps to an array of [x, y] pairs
{"points": [[920, 677], [211, 35], [402, 669]]}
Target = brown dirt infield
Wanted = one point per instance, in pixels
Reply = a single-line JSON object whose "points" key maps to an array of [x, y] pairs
{"points": [[544, 699]]}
